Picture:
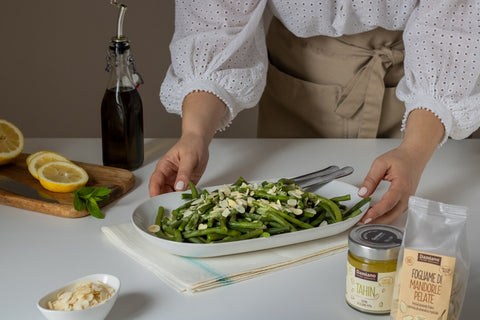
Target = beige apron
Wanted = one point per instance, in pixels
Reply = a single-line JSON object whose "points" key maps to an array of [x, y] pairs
{"points": [[332, 87]]}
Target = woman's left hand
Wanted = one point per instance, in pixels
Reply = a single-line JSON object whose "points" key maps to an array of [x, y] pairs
{"points": [[402, 167]]}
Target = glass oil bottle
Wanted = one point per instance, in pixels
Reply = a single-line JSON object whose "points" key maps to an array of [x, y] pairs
{"points": [[122, 109]]}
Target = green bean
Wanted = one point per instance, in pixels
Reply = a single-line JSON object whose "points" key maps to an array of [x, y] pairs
{"points": [[277, 230], [212, 237], [223, 224], [241, 230], [271, 197], [204, 209], [336, 213], [341, 198], [184, 206], [197, 240], [184, 223], [204, 232], [177, 235], [355, 213], [160, 212], [274, 216], [293, 220], [252, 216], [193, 222], [249, 235], [246, 225], [358, 205], [318, 219], [162, 235], [239, 182], [159, 221], [193, 189], [274, 224]]}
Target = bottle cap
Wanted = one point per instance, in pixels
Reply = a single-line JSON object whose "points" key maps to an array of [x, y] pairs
{"points": [[375, 241]]}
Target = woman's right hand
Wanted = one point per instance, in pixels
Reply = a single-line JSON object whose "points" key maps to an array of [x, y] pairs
{"points": [[185, 161]]}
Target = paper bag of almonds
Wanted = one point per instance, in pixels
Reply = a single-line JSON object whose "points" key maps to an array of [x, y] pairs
{"points": [[433, 263]]}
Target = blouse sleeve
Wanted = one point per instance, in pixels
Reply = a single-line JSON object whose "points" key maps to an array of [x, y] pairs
{"points": [[217, 47], [442, 64]]}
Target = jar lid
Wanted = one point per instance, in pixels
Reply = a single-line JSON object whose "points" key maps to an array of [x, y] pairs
{"points": [[375, 241]]}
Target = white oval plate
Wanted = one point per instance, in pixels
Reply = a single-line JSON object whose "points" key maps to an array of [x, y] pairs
{"points": [[145, 214]]}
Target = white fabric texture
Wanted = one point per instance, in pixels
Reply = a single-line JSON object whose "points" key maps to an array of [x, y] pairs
{"points": [[219, 47], [192, 275]]}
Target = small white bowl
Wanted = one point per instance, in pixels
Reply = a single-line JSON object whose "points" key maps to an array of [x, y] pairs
{"points": [[97, 312]]}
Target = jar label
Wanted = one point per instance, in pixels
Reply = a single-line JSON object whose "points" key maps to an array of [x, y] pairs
{"points": [[369, 291], [425, 285]]}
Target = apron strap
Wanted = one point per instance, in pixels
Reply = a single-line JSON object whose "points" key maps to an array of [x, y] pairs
{"points": [[367, 88]]}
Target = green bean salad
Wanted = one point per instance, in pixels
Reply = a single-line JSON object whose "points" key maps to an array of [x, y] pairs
{"points": [[244, 211]]}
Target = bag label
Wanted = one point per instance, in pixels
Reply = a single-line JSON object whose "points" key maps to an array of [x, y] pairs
{"points": [[426, 285]]}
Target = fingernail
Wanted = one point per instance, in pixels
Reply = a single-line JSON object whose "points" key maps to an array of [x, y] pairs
{"points": [[362, 191], [368, 220], [180, 185]]}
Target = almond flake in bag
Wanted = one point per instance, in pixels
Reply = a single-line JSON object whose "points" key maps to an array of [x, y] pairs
{"points": [[433, 262]]}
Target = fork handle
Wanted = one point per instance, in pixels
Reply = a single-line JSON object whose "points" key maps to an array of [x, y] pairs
{"points": [[316, 180], [315, 174]]}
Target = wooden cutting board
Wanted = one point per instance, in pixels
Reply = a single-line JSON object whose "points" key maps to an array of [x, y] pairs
{"points": [[120, 181]]}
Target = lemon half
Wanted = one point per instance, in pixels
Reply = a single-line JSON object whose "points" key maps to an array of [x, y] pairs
{"points": [[62, 176], [11, 141], [41, 158]]}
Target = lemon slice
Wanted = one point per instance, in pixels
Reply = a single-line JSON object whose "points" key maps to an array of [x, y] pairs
{"points": [[61, 176], [11, 141], [33, 155], [41, 158]]}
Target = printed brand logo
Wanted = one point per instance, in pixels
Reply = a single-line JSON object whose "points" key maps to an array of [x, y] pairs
{"points": [[422, 257], [365, 275]]}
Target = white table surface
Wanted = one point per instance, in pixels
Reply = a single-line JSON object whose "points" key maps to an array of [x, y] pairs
{"points": [[39, 252]]}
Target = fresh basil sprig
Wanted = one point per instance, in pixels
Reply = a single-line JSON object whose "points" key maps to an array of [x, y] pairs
{"points": [[89, 198]]}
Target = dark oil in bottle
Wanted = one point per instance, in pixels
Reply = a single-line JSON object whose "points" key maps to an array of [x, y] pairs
{"points": [[122, 128]]}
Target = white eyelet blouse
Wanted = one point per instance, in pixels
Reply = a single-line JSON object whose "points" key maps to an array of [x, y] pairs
{"points": [[219, 47]]}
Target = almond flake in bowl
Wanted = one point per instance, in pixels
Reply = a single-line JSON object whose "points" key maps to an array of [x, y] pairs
{"points": [[85, 294], [91, 297]]}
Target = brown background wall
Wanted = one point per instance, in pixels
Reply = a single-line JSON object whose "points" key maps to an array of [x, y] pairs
{"points": [[52, 60], [52, 57]]}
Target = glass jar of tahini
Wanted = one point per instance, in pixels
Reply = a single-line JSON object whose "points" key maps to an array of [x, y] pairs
{"points": [[371, 267]]}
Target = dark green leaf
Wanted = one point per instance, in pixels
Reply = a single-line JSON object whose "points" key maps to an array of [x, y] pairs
{"points": [[85, 192], [89, 197], [100, 199], [94, 210], [101, 192], [78, 203]]}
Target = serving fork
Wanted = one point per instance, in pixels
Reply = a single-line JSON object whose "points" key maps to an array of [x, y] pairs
{"points": [[322, 176]]}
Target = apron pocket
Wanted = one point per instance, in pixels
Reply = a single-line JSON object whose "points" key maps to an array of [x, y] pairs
{"points": [[312, 105]]}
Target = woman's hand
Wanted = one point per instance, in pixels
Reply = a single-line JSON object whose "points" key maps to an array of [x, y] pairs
{"points": [[186, 161], [402, 167]]}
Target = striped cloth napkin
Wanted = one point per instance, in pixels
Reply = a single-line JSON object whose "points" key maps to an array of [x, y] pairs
{"points": [[191, 275]]}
